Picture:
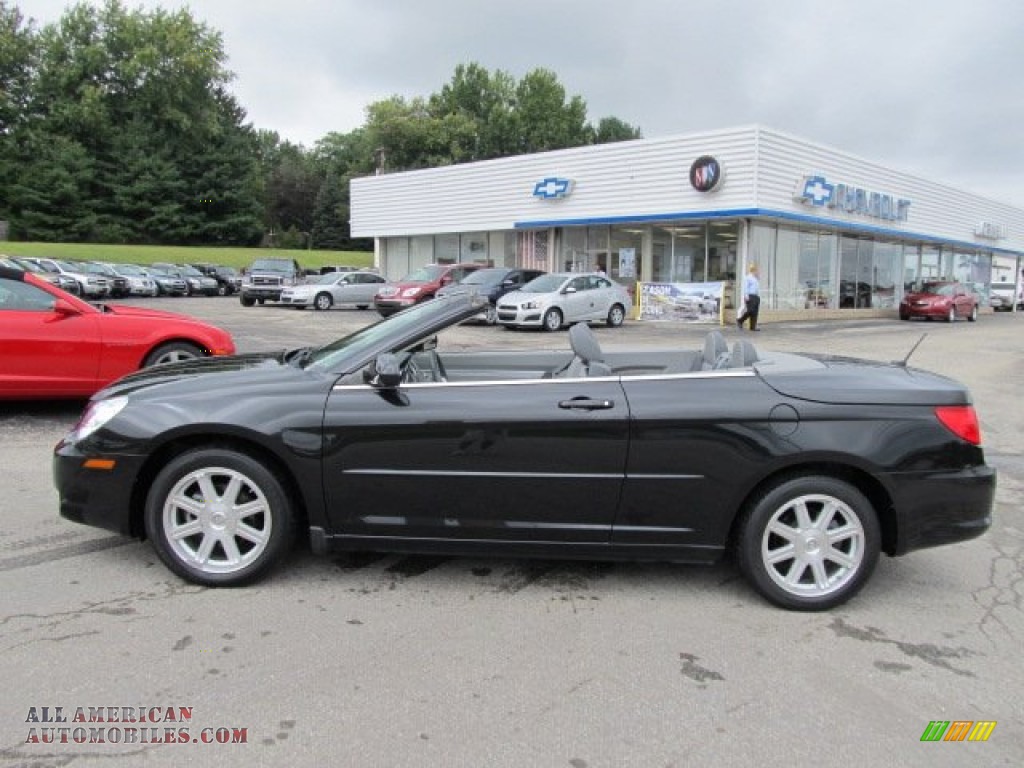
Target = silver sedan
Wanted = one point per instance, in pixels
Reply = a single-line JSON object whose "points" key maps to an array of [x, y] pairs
{"points": [[356, 288], [554, 300]]}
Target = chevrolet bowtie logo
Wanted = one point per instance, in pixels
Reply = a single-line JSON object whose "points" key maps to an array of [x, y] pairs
{"points": [[552, 187]]}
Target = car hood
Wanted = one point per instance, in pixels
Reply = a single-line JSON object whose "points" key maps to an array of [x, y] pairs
{"points": [[205, 374], [850, 381], [514, 297], [922, 296], [125, 310]]}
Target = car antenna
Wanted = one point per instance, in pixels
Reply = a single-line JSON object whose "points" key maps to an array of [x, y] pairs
{"points": [[903, 363]]}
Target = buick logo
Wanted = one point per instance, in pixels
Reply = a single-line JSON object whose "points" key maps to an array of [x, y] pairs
{"points": [[705, 174]]}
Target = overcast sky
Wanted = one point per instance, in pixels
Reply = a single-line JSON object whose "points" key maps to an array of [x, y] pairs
{"points": [[934, 88]]}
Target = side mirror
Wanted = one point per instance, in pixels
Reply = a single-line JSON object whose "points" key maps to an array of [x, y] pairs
{"points": [[65, 308], [384, 372], [570, 289]]}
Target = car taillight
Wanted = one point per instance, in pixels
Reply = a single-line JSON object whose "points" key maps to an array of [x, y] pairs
{"points": [[961, 420]]}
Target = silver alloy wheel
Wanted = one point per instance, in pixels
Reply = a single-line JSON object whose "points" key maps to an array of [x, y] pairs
{"points": [[952, 314], [813, 545], [323, 301], [216, 520], [491, 314], [552, 320], [974, 314]]}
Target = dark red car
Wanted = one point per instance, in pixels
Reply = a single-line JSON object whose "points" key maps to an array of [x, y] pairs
{"points": [[419, 285], [943, 299], [53, 344]]}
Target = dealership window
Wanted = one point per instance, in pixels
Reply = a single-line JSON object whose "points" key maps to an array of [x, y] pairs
{"points": [[762, 252], [888, 258], [722, 237], [815, 271], [421, 251], [597, 248], [473, 248], [396, 257], [856, 263], [626, 247], [502, 249], [573, 249], [446, 249]]}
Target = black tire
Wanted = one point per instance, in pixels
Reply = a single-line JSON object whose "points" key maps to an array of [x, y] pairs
{"points": [[215, 547], [222, 290], [173, 352], [362, 306], [552, 320], [247, 301], [822, 574], [616, 315], [323, 301], [491, 314]]}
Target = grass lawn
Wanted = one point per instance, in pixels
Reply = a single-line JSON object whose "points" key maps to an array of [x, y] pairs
{"points": [[147, 254]]}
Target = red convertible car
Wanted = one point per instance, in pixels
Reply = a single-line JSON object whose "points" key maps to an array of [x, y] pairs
{"points": [[53, 344]]}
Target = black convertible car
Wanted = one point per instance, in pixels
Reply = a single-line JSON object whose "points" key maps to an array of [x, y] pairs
{"points": [[805, 466]]}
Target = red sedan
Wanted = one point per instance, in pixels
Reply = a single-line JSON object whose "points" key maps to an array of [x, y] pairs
{"points": [[944, 300], [53, 344]]}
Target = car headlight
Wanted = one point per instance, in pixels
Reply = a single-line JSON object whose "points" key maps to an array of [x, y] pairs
{"points": [[97, 414], [408, 293], [532, 304]]}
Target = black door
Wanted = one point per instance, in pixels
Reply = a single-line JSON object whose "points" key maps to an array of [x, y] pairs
{"points": [[527, 461]]}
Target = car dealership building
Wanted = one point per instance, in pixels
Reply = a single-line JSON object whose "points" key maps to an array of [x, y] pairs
{"points": [[830, 232]]}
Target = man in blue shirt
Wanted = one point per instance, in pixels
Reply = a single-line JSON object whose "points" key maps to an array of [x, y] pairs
{"points": [[751, 299]]}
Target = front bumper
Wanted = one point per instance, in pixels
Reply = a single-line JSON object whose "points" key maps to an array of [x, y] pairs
{"points": [[390, 306], [517, 317], [97, 497], [296, 301], [261, 292]]}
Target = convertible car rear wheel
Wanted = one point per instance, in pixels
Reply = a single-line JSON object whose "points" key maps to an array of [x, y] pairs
{"points": [[218, 517], [809, 543]]}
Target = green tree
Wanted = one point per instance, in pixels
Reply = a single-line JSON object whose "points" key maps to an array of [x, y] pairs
{"points": [[18, 52], [611, 129], [143, 94]]}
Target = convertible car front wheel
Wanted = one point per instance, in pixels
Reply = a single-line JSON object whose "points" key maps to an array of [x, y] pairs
{"points": [[809, 543], [218, 517]]}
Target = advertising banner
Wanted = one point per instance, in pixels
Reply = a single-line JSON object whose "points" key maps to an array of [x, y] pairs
{"points": [[682, 302]]}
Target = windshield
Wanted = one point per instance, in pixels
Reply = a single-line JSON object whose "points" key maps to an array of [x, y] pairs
{"points": [[271, 265], [327, 279], [484, 277], [161, 271], [939, 289], [369, 338], [128, 269], [191, 271], [67, 266], [544, 284], [424, 274]]}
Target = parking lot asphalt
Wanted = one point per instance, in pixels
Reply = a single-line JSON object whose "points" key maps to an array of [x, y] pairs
{"points": [[417, 661]]}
